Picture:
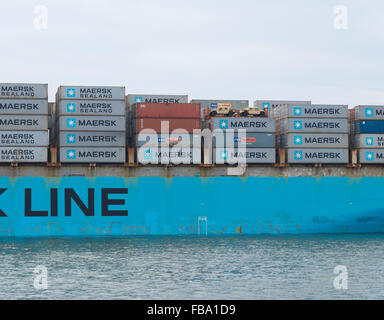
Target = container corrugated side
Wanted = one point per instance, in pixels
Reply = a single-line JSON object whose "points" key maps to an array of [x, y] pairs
{"points": [[171, 110], [175, 155], [314, 140], [373, 140], [91, 93], [235, 104], [291, 125], [373, 156], [296, 155], [23, 91], [229, 139], [250, 124], [23, 122], [91, 123], [155, 98], [313, 111], [23, 107], [24, 138], [368, 126], [92, 139], [92, 155], [244, 155], [369, 112], [167, 140], [92, 107], [156, 124], [24, 154]]}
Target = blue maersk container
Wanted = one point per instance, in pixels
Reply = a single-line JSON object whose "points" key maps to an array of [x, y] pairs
{"points": [[368, 126]]}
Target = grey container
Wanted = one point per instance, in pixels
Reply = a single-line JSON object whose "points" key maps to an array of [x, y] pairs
{"points": [[175, 155], [158, 140], [372, 156], [23, 154], [291, 125], [91, 123], [235, 104], [250, 140], [91, 93], [296, 155], [258, 124], [313, 111], [92, 155], [244, 155], [23, 122], [369, 112], [155, 98], [21, 106], [92, 139], [372, 140], [92, 107], [271, 104], [314, 140], [24, 138], [23, 91]]}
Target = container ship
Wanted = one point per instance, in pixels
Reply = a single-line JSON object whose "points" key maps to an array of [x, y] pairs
{"points": [[100, 162]]}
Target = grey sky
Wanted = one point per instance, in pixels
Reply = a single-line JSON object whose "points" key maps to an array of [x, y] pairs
{"points": [[244, 49]]}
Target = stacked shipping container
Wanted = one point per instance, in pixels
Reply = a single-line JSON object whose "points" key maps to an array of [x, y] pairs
{"points": [[313, 133], [24, 133], [92, 124], [255, 143], [367, 133]]}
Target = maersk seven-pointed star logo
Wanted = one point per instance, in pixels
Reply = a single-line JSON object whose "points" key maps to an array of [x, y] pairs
{"points": [[71, 92], [297, 111], [147, 154], [71, 123], [369, 156], [369, 112], [71, 154], [298, 140], [223, 124], [266, 105], [138, 99], [298, 155], [224, 155], [71, 138], [71, 107], [369, 141], [297, 124]]}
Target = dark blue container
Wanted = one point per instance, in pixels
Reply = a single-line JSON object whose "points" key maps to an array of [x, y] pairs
{"points": [[368, 126]]}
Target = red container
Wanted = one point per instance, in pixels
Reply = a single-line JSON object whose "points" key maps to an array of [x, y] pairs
{"points": [[168, 110], [155, 124]]}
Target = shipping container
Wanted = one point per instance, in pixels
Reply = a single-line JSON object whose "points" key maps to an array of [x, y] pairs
{"points": [[228, 139], [368, 140], [155, 124], [313, 111], [92, 139], [314, 140], [313, 125], [92, 123], [23, 91], [274, 104], [250, 124], [318, 155], [92, 107], [23, 122], [23, 154], [368, 126], [155, 98], [91, 93], [243, 155], [369, 112], [24, 107], [24, 138], [168, 140], [92, 155], [171, 110], [175, 155], [373, 156], [235, 104]]}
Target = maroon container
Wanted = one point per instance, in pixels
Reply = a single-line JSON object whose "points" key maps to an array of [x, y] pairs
{"points": [[168, 110], [155, 124]]}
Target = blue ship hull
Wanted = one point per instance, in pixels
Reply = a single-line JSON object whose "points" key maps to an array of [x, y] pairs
{"points": [[114, 206]]}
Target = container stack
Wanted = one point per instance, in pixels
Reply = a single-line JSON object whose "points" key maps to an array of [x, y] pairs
{"points": [[91, 124], [367, 133], [165, 133], [24, 135], [313, 133], [272, 106], [254, 144]]}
